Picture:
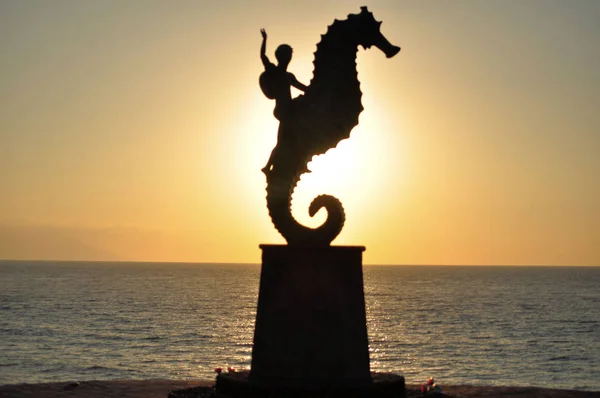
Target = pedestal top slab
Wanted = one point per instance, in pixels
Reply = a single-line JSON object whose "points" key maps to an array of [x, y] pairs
{"points": [[266, 246]]}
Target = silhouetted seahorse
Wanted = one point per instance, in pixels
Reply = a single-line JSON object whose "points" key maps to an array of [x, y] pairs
{"points": [[321, 118]]}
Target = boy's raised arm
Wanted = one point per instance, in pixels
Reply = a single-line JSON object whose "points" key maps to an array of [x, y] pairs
{"points": [[263, 49]]}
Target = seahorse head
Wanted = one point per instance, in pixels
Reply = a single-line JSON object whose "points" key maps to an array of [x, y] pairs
{"points": [[366, 31]]}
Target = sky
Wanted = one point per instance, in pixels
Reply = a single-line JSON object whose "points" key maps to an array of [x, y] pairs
{"points": [[136, 130]]}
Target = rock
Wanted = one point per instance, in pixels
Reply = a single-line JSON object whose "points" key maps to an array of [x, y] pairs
{"points": [[71, 385]]}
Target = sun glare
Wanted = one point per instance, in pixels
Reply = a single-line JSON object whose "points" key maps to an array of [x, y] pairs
{"points": [[356, 171]]}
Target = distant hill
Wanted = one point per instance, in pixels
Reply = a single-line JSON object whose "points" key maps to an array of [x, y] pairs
{"points": [[31, 242]]}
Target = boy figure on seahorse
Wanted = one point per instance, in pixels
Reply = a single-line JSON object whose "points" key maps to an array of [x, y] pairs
{"points": [[276, 83]]}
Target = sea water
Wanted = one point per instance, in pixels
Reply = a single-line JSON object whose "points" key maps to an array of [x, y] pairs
{"points": [[519, 326]]}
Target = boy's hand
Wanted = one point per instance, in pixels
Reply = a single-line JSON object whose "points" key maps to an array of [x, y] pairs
{"points": [[263, 33]]}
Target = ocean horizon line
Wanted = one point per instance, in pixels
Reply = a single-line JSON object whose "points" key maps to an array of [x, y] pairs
{"points": [[10, 260]]}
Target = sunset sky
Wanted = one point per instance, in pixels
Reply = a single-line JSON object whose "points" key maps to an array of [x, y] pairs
{"points": [[135, 130]]}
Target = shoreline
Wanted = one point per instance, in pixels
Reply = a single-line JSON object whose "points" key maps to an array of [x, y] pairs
{"points": [[161, 388]]}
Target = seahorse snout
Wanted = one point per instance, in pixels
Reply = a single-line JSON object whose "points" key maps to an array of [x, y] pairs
{"points": [[385, 46], [393, 51]]}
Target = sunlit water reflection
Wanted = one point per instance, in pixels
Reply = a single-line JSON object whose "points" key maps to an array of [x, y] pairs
{"points": [[464, 325]]}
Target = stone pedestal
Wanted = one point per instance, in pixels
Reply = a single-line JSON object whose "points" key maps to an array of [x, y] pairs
{"points": [[310, 337], [311, 327]]}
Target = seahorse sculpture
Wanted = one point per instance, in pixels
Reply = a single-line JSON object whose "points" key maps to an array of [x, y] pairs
{"points": [[320, 119]]}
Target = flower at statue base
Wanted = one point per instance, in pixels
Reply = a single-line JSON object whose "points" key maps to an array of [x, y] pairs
{"points": [[231, 370], [218, 370], [431, 388]]}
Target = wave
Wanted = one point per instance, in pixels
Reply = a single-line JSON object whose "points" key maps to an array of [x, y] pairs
{"points": [[98, 367]]}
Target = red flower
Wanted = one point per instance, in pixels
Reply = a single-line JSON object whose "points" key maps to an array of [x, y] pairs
{"points": [[218, 370], [230, 369]]}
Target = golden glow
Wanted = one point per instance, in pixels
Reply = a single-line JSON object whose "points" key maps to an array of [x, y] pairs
{"points": [[478, 143]]}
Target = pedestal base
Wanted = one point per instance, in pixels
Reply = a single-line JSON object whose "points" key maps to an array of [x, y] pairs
{"points": [[311, 327], [310, 337], [381, 385]]}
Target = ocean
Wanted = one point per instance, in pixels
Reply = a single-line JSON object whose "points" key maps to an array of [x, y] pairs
{"points": [[517, 326]]}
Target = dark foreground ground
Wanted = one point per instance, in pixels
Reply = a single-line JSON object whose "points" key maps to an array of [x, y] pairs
{"points": [[161, 389]]}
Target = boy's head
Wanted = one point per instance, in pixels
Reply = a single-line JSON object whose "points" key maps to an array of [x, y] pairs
{"points": [[283, 54]]}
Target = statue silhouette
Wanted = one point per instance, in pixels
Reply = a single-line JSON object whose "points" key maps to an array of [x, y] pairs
{"points": [[275, 83], [315, 121]]}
